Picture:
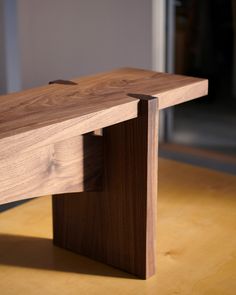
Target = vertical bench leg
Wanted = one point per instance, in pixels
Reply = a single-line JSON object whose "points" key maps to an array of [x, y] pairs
{"points": [[117, 225]]}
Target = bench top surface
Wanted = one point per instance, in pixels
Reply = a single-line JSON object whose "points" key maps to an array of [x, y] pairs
{"points": [[91, 103]]}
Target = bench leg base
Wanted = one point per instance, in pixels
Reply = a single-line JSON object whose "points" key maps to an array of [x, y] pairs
{"points": [[117, 225]]}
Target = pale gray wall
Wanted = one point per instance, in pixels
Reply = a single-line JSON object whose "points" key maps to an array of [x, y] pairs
{"points": [[69, 38], [12, 54], [2, 51], [10, 76]]}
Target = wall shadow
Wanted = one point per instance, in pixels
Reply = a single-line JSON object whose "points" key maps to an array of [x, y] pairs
{"points": [[40, 253]]}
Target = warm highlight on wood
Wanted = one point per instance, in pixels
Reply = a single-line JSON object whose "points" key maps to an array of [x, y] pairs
{"points": [[92, 143]]}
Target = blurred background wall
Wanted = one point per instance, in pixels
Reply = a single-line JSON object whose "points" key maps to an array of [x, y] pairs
{"points": [[2, 52], [51, 39], [65, 39]]}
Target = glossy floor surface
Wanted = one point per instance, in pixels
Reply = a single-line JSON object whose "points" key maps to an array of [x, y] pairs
{"points": [[196, 250]]}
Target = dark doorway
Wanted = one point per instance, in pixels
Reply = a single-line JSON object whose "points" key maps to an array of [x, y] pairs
{"points": [[204, 47]]}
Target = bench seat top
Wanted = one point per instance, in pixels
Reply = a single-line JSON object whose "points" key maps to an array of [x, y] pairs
{"points": [[54, 112]]}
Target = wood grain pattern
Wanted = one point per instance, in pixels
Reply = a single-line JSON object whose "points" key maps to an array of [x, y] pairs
{"points": [[71, 165], [41, 116], [117, 225]]}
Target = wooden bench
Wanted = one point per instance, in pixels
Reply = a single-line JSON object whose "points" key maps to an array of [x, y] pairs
{"points": [[92, 143]]}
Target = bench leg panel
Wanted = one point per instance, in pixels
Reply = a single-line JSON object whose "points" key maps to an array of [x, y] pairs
{"points": [[117, 225]]}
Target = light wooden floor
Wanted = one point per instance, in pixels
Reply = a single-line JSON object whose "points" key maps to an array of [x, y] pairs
{"points": [[196, 244]]}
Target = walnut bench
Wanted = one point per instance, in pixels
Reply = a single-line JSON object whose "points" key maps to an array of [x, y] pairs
{"points": [[92, 143]]}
